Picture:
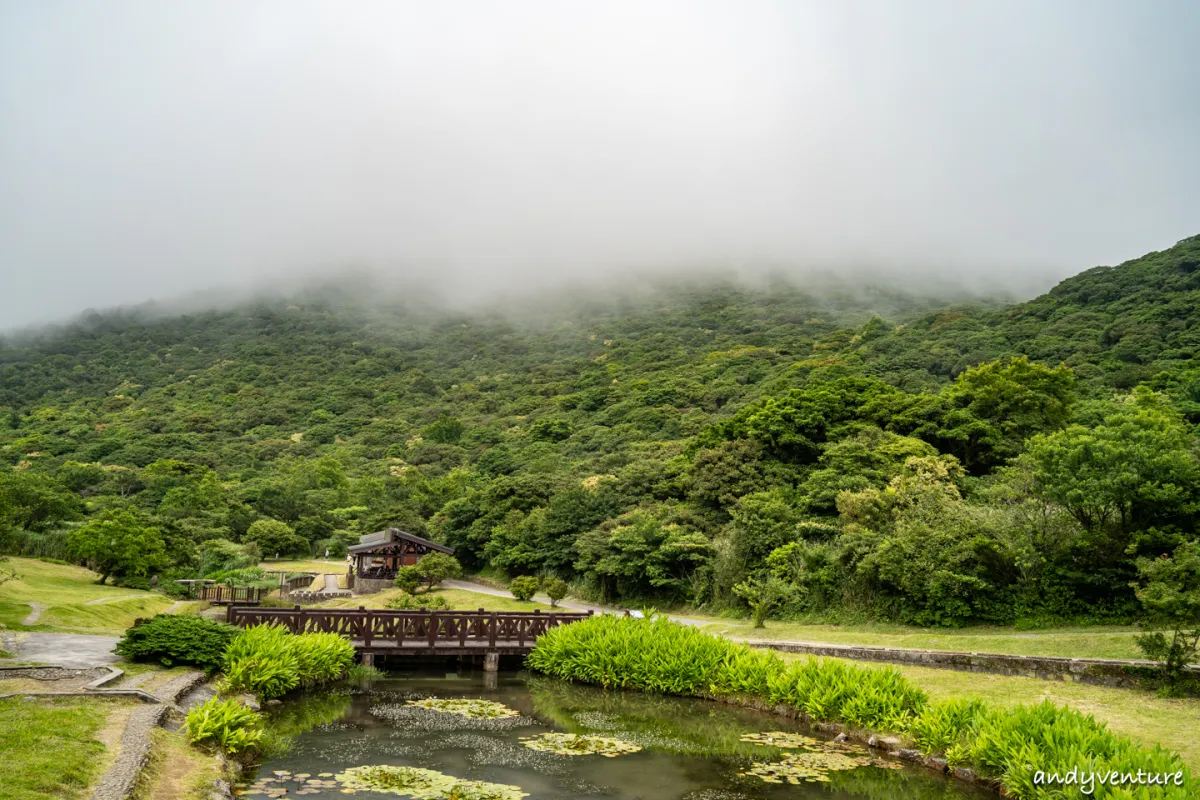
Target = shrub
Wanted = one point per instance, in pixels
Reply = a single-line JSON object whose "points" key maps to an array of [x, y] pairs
{"points": [[407, 602], [321, 657], [1170, 595], [524, 587], [226, 723], [556, 589], [362, 675], [408, 579], [174, 639], [269, 661], [943, 725], [261, 661]]}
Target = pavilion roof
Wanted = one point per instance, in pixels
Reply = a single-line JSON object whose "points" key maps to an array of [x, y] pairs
{"points": [[386, 539]]}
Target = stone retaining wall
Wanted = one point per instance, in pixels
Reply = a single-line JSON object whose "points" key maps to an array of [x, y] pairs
{"points": [[372, 585], [1099, 671]]}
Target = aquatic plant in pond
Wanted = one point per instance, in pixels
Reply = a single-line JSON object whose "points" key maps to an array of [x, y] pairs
{"points": [[423, 784], [471, 709], [282, 783], [780, 739], [580, 744], [804, 767]]}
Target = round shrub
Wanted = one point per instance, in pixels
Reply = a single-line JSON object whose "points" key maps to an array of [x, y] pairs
{"points": [[174, 639], [524, 587]]}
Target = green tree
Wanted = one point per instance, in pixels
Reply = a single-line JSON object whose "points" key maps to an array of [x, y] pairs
{"points": [[120, 544], [35, 502], [435, 567], [763, 595], [556, 589], [1169, 589], [274, 538]]}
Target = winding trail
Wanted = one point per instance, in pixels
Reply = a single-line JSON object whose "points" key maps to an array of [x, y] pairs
{"points": [[101, 600], [35, 613]]}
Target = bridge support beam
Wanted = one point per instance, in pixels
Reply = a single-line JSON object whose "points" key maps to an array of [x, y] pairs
{"points": [[368, 659], [491, 662]]}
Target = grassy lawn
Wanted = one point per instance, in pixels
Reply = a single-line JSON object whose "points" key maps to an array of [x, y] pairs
{"points": [[1092, 642], [333, 566], [54, 748], [66, 590], [1170, 722], [458, 599]]}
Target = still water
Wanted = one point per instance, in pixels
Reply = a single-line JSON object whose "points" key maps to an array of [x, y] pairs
{"points": [[690, 749]]}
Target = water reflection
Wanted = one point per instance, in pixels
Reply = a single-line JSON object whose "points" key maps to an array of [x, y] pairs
{"points": [[691, 749]]}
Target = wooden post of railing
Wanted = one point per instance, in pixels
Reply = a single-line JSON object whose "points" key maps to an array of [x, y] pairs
{"points": [[368, 626], [433, 628], [492, 630], [229, 614], [464, 622]]}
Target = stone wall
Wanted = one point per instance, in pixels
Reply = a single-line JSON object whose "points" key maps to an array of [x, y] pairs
{"points": [[1103, 672], [372, 585]]}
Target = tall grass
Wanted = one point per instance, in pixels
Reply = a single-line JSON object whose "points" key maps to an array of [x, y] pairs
{"points": [[1009, 745]]}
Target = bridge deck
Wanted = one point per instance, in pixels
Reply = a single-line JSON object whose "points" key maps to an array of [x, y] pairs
{"points": [[382, 631]]}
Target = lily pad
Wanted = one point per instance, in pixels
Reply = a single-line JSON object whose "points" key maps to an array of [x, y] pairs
{"points": [[472, 709], [580, 744], [781, 739], [805, 767], [423, 784]]}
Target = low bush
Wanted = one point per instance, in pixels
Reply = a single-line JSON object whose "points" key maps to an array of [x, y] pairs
{"points": [[177, 639], [556, 589], [225, 723], [408, 602], [1009, 745], [269, 661], [524, 587]]}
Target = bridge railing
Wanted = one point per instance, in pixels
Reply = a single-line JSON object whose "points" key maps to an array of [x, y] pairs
{"points": [[222, 595], [382, 627]]}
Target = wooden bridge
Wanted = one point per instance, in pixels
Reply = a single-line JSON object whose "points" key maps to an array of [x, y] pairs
{"points": [[384, 632], [229, 595]]}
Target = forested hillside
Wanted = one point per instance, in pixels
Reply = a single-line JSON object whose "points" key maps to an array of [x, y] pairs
{"points": [[868, 453]]}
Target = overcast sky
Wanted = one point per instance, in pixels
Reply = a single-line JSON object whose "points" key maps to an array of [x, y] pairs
{"points": [[152, 149]]}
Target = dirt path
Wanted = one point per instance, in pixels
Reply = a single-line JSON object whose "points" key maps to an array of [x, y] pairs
{"points": [[171, 609], [35, 613], [331, 583], [113, 599]]}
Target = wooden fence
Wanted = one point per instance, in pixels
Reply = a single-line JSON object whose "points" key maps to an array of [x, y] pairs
{"points": [[385, 629], [228, 595]]}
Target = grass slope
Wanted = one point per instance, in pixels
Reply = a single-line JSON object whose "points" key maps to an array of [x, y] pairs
{"points": [[65, 591]]}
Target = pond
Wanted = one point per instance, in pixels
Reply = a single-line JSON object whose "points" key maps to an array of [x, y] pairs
{"points": [[538, 737]]}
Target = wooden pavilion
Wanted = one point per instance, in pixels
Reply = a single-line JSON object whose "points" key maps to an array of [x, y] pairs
{"points": [[378, 555]]}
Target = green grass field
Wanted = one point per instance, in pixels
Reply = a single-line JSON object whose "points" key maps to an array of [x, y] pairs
{"points": [[51, 746], [65, 591], [1091, 642], [458, 599], [1170, 722]]}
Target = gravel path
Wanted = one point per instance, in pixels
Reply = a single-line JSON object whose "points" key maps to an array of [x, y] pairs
{"points": [[119, 781], [35, 613], [66, 649]]}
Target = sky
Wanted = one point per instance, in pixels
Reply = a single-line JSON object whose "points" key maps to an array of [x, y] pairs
{"points": [[156, 149]]}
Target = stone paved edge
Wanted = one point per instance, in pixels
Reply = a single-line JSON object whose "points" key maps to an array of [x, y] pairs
{"points": [[121, 778]]}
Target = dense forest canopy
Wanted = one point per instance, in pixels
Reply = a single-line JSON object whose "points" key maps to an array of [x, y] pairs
{"points": [[866, 453]]}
